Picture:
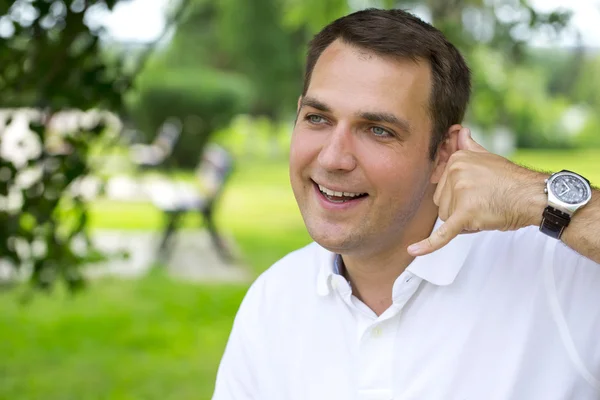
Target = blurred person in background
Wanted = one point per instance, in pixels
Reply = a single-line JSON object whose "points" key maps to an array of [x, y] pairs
{"points": [[438, 270]]}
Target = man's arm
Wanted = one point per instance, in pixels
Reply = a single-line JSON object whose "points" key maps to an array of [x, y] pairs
{"points": [[483, 191], [583, 233]]}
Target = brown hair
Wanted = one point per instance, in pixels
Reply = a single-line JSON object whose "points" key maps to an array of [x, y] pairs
{"points": [[397, 33]]}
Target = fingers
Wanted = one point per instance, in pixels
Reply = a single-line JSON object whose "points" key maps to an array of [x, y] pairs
{"points": [[452, 197], [446, 202], [466, 142], [440, 186], [441, 237], [443, 196]]}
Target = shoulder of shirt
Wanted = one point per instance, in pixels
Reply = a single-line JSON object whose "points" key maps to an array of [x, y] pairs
{"points": [[530, 241], [288, 281], [303, 263]]}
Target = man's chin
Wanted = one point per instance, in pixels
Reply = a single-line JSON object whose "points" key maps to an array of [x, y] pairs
{"points": [[334, 242]]}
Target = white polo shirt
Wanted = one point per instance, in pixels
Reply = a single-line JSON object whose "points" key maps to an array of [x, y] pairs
{"points": [[493, 315]]}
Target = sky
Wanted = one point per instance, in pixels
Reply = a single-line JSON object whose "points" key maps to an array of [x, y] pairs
{"points": [[149, 21], [586, 18], [147, 14]]}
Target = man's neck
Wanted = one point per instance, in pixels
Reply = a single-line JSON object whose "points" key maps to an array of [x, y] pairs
{"points": [[373, 276]]}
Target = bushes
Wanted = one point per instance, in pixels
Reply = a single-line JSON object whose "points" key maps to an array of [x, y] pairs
{"points": [[204, 100]]}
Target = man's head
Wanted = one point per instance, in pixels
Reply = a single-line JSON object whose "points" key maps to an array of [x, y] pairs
{"points": [[363, 166], [401, 35]]}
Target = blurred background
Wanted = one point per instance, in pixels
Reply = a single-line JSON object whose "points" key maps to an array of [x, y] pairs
{"points": [[143, 166]]}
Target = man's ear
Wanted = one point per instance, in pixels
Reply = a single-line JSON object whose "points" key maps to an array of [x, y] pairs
{"points": [[448, 147]]}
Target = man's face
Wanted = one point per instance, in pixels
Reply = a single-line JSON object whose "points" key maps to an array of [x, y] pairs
{"points": [[363, 131]]}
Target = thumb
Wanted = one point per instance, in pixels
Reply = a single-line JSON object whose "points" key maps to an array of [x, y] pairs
{"points": [[466, 141], [441, 237]]}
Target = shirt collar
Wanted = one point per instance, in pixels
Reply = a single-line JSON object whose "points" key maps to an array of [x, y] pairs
{"points": [[338, 264], [326, 271], [440, 267]]}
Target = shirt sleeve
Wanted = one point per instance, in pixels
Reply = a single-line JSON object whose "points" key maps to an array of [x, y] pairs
{"points": [[574, 298], [237, 374]]}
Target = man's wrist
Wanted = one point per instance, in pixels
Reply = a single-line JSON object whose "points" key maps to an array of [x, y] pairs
{"points": [[532, 198]]}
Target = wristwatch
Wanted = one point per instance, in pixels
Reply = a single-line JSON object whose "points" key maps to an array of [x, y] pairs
{"points": [[567, 193]]}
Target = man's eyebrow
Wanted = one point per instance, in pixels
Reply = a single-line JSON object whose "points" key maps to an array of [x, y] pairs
{"points": [[314, 103], [387, 118]]}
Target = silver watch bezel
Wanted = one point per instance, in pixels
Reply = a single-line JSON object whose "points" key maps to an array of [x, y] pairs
{"points": [[555, 202]]}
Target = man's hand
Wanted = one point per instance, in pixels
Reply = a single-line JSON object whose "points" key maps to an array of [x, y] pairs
{"points": [[480, 191]]}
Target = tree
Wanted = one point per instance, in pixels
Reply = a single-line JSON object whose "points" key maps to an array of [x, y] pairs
{"points": [[50, 61], [247, 38], [225, 58]]}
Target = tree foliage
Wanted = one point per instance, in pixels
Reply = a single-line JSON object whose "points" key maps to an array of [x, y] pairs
{"points": [[51, 58], [230, 57], [203, 100], [50, 61]]}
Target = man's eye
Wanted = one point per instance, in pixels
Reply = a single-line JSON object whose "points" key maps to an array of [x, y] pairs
{"points": [[379, 131], [314, 119]]}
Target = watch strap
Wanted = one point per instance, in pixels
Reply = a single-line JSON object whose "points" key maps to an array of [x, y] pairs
{"points": [[554, 222]]}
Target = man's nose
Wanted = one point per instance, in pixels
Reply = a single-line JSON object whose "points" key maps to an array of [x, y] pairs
{"points": [[337, 153]]}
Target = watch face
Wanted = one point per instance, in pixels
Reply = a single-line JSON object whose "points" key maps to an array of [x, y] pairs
{"points": [[570, 189]]}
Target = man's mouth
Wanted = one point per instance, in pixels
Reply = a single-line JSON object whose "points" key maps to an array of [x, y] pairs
{"points": [[339, 197]]}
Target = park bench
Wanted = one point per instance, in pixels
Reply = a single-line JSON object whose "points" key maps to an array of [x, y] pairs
{"points": [[177, 199], [148, 156]]}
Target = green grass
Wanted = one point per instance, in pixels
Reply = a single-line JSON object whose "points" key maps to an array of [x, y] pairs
{"points": [[156, 338], [585, 162], [144, 339]]}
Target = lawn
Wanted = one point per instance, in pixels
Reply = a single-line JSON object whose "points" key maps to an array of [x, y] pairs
{"points": [[585, 162], [156, 338], [152, 338]]}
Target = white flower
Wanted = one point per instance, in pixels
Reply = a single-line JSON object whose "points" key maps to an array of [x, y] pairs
{"points": [[28, 177], [88, 187], [89, 120], [18, 144], [13, 202]]}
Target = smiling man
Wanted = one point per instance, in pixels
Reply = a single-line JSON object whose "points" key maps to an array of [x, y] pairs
{"points": [[435, 271]]}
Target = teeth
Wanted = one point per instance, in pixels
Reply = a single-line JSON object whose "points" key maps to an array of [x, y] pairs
{"points": [[330, 192]]}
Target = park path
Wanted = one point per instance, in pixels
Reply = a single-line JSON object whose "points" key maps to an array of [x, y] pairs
{"points": [[193, 256]]}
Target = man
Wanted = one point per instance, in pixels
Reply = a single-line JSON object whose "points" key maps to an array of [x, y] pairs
{"points": [[430, 277]]}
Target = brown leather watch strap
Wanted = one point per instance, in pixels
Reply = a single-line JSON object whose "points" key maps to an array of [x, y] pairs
{"points": [[554, 222]]}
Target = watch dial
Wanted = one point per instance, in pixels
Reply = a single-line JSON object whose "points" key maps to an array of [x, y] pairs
{"points": [[569, 189]]}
